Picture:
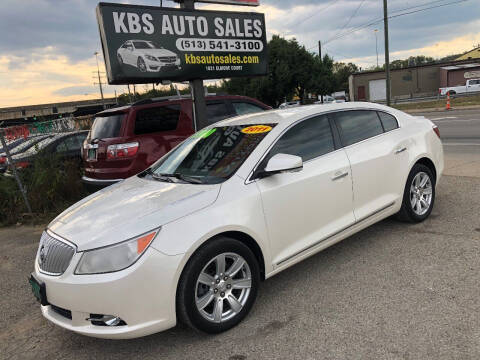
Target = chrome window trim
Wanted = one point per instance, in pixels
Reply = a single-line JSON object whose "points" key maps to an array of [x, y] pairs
{"points": [[249, 179]]}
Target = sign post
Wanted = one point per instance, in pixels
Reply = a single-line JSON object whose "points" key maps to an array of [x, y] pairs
{"points": [[146, 44], [196, 88]]}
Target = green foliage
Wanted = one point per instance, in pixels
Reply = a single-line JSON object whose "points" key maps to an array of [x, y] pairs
{"points": [[292, 71], [341, 73], [52, 185]]}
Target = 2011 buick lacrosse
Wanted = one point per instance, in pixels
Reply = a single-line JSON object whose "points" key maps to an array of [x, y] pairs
{"points": [[192, 237]]}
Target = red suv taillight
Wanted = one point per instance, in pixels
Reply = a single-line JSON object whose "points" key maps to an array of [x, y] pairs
{"points": [[2, 159], [121, 151], [437, 130]]}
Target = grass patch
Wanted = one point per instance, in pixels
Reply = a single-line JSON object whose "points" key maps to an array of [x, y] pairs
{"points": [[52, 186], [440, 104]]}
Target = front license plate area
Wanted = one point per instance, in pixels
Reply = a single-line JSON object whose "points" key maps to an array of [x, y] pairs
{"points": [[38, 290]]}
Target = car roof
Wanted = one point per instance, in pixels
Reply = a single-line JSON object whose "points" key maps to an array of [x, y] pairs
{"points": [[163, 99], [290, 115]]}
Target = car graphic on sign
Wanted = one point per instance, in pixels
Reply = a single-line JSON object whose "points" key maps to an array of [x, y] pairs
{"points": [[147, 56]]}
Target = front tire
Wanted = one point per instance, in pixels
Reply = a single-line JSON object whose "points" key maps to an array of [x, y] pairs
{"points": [[218, 286], [418, 196], [141, 65]]}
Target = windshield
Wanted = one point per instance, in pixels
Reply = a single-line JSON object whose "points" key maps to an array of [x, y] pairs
{"points": [[212, 155], [143, 45], [106, 126]]}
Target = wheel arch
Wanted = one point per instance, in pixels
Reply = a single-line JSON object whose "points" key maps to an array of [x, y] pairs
{"points": [[428, 163], [241, 236]]}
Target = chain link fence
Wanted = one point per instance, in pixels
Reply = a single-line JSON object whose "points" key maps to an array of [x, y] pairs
{"points": [[15, 139]]}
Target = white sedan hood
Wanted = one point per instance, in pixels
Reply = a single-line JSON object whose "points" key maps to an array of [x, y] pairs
{"points": [[128, 209], [158, 52]]}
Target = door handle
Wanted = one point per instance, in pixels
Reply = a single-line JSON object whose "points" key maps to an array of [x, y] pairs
{"points": [[339, 174], [400, 150]]}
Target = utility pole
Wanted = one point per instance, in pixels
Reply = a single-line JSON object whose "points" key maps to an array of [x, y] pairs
{"points": [[129, 94], [99, 80], [376, 43], [387, 55], [196, 86], [320, 56]]}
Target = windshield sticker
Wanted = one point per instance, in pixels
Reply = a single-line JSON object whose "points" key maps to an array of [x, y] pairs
{"points": [[202, 134], [256, 129]]}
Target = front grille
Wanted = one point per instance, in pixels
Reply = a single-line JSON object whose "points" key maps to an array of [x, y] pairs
{"points": [[63, 312], [167, 59], [54, 255]]}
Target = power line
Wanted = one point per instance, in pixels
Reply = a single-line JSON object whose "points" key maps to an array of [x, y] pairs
{"points": [[348, 57], [349, 19], [314, 14], [376, 21]]}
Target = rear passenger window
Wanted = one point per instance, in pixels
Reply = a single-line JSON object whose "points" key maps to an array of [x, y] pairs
{"points": [[163, 118], [309, 139], [388, 121], [217, 111], [242, 108], [355, 126], [68, 144]]}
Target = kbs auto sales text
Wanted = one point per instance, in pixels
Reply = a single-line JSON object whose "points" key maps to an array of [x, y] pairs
{"points": [[180, 25]]}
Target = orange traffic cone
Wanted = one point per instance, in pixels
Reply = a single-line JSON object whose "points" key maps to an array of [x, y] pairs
{"points": [[448, 101]]}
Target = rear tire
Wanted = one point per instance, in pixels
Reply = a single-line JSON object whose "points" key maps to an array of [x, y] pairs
{"points": [[212, 297], [418, 195]]}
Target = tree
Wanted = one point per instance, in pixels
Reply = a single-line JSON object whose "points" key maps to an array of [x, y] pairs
{"points": [[341, 73], [292, 71]]}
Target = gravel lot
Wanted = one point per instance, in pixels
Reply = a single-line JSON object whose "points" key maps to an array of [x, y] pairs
{"points": [[393, 291]]}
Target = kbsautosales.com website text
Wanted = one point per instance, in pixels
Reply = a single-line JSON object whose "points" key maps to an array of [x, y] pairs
{"points": [[219, 59]]}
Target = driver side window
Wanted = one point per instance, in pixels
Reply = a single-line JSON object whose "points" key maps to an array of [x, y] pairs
{"points": [[309, 139]]}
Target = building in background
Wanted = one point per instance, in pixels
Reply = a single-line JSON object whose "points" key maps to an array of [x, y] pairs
{"points": [[413, 81], [472, 54], [18, 115]]}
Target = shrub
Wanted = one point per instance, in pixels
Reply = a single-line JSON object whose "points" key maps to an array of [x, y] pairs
{"points": [[51, 184]]}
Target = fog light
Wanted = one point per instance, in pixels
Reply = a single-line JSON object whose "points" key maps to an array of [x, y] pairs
{"points": [[105, 320]]}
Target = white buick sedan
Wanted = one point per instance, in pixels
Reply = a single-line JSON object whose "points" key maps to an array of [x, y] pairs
{"points": [[192, 237]]}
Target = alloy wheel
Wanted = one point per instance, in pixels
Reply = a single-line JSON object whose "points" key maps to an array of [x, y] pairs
{"points": [[421, 193], [141, 65], [223, 287]]}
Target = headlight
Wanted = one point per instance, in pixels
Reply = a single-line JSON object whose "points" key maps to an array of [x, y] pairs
{"points": [[115, 257], [151, 58]]}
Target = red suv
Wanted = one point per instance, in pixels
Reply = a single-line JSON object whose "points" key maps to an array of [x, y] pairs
{"points": [[126, 140]]}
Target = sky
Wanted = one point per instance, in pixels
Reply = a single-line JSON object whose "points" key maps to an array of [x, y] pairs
{"points": [[47, 46]]}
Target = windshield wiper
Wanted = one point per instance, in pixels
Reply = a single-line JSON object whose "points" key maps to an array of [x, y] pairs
{"points": [[186, 178], [162, 177]]}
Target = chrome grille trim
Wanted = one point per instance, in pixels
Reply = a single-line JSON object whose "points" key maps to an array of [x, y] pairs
{"points": [[169, 59], [54, 254]]}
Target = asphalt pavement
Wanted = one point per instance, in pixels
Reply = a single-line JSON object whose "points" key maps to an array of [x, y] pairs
{"points": [[392, 291]]}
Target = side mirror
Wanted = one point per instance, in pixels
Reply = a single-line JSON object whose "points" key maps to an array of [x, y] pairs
{"points": [[282, 163]]}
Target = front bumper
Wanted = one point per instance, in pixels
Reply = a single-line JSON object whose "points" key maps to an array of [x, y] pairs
{"points": [[155, 66], [142, 295]]}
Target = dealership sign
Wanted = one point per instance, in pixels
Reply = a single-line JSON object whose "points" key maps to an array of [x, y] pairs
{"points": [[230, 2], [143, 44]]}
